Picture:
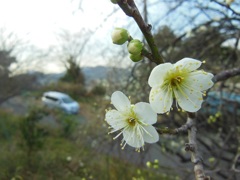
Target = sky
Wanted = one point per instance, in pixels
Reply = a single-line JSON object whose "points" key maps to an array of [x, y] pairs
{"points": [[41, 18], [39, 21]]}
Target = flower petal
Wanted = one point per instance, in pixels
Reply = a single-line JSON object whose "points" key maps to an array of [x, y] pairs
{"points": [[151, 135], [115, 119], [188, 64], [145, 113], [120, 101], [199, 79], [158, 73], [161, 99], [133, 136], [188, 100]]}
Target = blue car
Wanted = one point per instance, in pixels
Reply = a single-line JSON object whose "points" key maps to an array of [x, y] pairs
{"points": [[222, 101]]}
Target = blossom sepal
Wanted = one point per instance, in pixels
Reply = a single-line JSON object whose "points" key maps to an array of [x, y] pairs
{"points": [[119, 36], [135, 47], [136, 57]]}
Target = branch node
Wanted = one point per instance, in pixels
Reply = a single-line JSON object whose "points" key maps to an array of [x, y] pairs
{"points": [[198, 160], [189, 147], [149, 27], [134, 11]]}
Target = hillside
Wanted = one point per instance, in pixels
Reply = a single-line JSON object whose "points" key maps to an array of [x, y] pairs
{"points": [[91, 74]]}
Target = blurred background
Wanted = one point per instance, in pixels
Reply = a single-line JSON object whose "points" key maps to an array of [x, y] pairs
{"points": [[66, 46]]}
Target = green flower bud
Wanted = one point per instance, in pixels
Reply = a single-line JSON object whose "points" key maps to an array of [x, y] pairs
{"points": [[114, 1], [119, 36], [135, 57], [148, 164], [135, 46]]}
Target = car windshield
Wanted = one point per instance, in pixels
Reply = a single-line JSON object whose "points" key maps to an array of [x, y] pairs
{"points": [[67, 100]]}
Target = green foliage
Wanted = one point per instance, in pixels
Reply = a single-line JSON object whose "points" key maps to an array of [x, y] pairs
{"points": [[32, 134], [61, 152], [8, 125], [98, 90], [69, 125]]}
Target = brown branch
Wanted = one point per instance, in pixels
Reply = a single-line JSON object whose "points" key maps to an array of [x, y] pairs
{"points": [[224, 75], [130, 9], [183, 128], [193, 148]]}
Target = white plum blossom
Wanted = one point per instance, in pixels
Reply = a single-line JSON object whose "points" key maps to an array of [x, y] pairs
{"points": [[180, 81], [133, 121]]}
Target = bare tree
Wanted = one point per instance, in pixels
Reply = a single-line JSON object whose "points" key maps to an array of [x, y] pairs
{"points": [[11, 84]]}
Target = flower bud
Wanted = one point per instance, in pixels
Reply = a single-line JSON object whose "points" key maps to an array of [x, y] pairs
{"points": [[119, 36], [136, 57], [148, 164], [135, 46], [229, 2], [114, 1]]}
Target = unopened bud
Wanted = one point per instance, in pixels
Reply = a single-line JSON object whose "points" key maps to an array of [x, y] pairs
{"points": [[135, 46], [229, 2], [114, 1], [135, 57], [119, 36], [148, 164]]}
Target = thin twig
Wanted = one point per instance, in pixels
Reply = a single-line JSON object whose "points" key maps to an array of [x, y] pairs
{"points": [[183, 128]]}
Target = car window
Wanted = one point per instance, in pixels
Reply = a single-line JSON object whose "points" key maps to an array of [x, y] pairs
{"points": [[67, 100], [52, 98]]}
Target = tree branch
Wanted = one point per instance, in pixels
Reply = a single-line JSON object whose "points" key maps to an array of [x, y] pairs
{"points": [[130, 9], [224, 75], [183, 128], [193, 148]]}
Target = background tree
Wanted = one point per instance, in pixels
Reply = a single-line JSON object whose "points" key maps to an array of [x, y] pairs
{"points": [[70, 52], [11, 84]]}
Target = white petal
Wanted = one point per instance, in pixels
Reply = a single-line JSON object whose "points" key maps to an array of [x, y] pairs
{"points": [[158, 73], [188, 100], [115, 119], [160, 99], [188, 64], [152, 135], [145, 113], [133, 136], [120, 101], [199, 80]]}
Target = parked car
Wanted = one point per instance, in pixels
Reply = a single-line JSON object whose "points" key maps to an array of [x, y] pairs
{"points": [[60, 100], [228, 101]]}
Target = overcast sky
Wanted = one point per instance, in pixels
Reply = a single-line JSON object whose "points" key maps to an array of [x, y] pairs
{"points": [[39, 21], [42, 18]]}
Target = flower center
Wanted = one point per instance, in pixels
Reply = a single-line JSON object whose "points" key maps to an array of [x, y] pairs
{"points": [[131, 121], [176, 80]]}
